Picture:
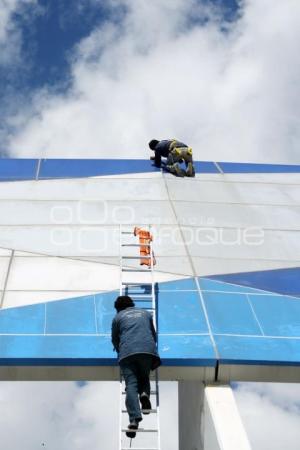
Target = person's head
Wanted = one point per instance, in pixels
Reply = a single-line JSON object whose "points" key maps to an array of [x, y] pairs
{"points": [[123, 302], [153, 143]]}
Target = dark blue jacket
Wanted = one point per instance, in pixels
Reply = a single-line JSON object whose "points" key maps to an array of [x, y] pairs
{"points": [[133, 332], [163, 147]]}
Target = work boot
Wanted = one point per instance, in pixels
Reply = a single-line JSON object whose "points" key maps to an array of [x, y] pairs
{"points": [[176, 170], [134, 424], [145, 402], [190, 171]]}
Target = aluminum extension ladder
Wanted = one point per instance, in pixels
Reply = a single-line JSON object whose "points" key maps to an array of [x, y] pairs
{"points": [[142, 291]]}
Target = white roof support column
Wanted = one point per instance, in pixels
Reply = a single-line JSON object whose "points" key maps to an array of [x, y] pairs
{"points": [[209, 418]]}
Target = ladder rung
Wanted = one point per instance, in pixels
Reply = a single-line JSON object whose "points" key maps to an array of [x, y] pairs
{"points": [[136, 257], [136, 283], [136, 270], [136, 245], [151, 392], [140, 448], [141, 430], [141, 300], [148, 410], [133, 296]]}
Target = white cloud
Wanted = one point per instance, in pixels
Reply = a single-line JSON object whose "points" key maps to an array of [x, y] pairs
{"points": [[150, 73], [64, 416], [271, 414], [10, 34]]}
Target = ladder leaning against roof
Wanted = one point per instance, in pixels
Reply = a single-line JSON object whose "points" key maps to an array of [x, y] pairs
{"points": [[142, 291]]}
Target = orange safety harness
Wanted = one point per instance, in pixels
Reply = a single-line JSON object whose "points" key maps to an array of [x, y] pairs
{"points": [[145, 238]]}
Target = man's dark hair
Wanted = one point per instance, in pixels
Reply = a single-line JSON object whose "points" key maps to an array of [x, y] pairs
{"points": [[123, 302], [153, 143]]}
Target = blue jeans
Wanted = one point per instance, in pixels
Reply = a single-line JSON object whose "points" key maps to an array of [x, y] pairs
{"points": [[136, 370]]}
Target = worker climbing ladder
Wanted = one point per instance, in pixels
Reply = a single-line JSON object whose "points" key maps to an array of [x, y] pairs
{"points": [[141, 288]]}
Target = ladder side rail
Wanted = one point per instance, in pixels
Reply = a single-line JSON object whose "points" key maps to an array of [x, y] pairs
{"points": [[153, 281], [120, 293], [120, 414], [157, 408], [154, 306], [120, 258]]}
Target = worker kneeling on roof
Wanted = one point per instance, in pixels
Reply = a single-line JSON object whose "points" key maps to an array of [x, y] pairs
{"points": [[134, 338], [176, 153]]}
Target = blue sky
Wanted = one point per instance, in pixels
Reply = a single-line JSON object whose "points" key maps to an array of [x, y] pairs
{"points": [[49, 37]]}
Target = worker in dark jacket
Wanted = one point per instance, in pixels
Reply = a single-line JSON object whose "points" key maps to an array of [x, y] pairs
{"points": [[134, 338], [176, 152]]}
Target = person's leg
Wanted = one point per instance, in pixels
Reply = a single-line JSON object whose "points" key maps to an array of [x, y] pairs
{"points": [[190, 169], [144, 366], [188, 159], [130, 375], [173, 164], [169, 161], [144, 363]]}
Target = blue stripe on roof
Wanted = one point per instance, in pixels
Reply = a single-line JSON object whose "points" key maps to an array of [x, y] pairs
{"points": [[230, 167], [27, 169], [205, 167], [18, 169], [74, 168]]}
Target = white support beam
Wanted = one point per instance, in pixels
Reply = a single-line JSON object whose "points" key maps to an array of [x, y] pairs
{"points": [[209, 418], [223, 427]]}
